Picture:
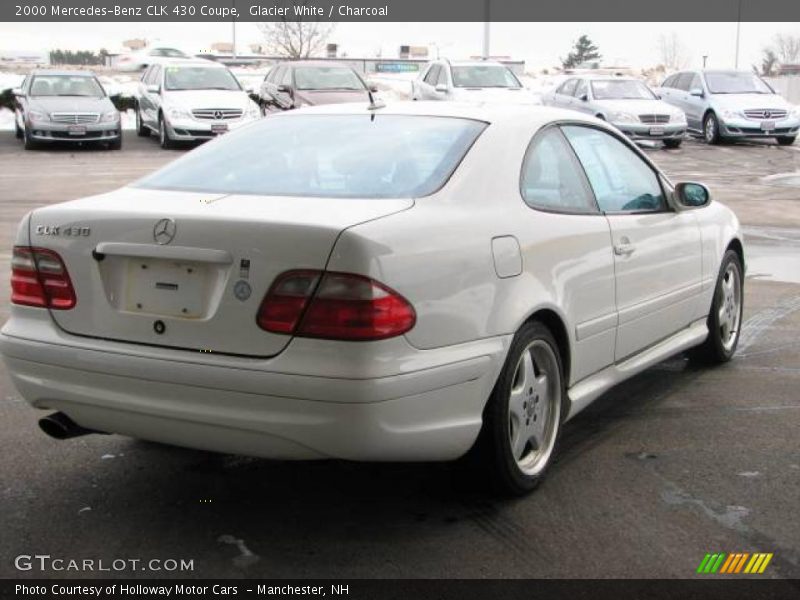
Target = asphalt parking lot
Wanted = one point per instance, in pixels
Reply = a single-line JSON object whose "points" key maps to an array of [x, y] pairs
{"points": [[673, 464]]}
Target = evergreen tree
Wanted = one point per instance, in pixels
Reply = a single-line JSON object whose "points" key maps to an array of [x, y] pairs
{"points": [[584, 50]]}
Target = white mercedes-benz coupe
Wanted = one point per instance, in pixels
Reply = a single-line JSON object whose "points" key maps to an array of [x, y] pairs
{"points": [[407, 283]]}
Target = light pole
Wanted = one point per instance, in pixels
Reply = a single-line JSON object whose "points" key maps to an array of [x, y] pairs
{"points": [[233, 23], [738, 29], [486, 28], [705, 57]]}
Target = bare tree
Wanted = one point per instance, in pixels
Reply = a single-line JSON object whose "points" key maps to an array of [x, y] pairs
{"points": [[787, 48], [768, 63], [672, 51], [294, 37]]}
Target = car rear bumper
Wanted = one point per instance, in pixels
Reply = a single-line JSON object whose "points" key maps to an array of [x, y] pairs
{"points": [[429, 409]]}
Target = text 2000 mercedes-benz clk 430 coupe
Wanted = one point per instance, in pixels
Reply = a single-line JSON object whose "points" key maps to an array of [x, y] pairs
{"points": [[406, 283]]}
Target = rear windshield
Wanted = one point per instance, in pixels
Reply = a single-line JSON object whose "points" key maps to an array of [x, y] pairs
{"points": [[340, 156]]}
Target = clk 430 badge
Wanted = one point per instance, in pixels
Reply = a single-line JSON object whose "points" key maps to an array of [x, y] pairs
{"points": [[65, 230]]}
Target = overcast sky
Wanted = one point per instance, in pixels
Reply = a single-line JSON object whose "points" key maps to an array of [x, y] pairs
{"points": [[539, 44]]}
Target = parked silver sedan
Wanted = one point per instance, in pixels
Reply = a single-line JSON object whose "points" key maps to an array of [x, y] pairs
{"points": [[731, 104], [626, 103], [65, 106]]}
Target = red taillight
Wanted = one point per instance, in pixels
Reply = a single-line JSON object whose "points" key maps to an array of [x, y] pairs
{"points": [[39, 278], [339, 306]]}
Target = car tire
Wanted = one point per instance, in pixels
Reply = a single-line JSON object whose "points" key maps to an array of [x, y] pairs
{"points": [[142, 130], [164, 140], [18, 133], [30, 144], [711, 133], [116, 144], [786, 140], [725, 317], [672, 143], [523, 416]]}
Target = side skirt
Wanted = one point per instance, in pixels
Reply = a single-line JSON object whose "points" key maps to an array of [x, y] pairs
{"points": [[583, 393]]}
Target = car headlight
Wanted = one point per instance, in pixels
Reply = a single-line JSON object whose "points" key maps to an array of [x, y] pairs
{"points": [[730, 114], [795, 112], [679, 118], [110, 116], [38, 116], [622, 117], [176, 112]]}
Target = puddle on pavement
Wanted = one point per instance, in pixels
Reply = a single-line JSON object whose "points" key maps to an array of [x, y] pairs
{"points": [[783, 179], [773, 254]]}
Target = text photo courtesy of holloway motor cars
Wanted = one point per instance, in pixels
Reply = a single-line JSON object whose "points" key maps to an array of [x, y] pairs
{"points": [[333, 298]]}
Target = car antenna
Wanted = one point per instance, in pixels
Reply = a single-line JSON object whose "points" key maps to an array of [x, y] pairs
{"points": [[374, 104]]}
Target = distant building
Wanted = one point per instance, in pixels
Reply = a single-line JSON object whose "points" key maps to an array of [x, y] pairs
{"points": [[25, 56], [134, 44], [789, 69], [222, 47]]}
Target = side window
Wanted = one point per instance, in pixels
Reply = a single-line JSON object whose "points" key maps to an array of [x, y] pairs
{"points": [[695, 84], [145, 78], [622, 181], [667, 83], [551, 177], [432, 75], [275, 75], [155, 75], [286, 77], [582, 88], [442, 79], [682, 81], [568, 87]]}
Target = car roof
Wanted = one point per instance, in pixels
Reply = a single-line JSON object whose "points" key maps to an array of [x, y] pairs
{"points": [[471, 63], [311, 63], [193, 62], [62, 72], [489, 112]]}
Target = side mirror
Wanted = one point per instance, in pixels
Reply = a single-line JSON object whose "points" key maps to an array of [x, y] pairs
{"points": [[584, 97], [372, 87], [696, 92], [153, 88], [285, 89], [441, 88], [250, 89], [692, 195], [657, 95]]}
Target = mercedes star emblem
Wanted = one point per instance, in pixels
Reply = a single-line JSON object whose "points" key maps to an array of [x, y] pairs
{"points": [[164, 231], [218, 114]]}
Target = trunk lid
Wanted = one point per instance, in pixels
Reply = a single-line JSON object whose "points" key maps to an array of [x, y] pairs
{"points": [[200, 284]]}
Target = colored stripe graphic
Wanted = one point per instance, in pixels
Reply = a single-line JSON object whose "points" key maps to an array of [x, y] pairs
{"points": [[735, 562]]}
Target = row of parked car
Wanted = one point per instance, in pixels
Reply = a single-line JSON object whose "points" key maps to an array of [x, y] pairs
{"points": [[183, 99]]}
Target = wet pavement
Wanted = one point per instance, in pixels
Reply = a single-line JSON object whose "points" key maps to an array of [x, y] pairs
{"points": [[675, 463]]}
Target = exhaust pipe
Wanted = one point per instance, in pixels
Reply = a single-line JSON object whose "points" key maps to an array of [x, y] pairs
{"points": [[60, 426]]}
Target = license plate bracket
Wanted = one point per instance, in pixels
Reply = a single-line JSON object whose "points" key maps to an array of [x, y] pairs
{"points": [[767, 125], [76, 130], [656, 131], [219, 128], [166, 287]]}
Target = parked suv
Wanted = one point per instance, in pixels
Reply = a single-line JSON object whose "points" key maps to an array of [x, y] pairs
{"points": [[626, 103], [65, 106], [191, 100], [475, 81], [731, 104], [309, 83]]}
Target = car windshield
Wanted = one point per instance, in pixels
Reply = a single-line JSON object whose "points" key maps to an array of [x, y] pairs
{"points": [[484, 76], [334, 156], [199, 78], [327, 78], [66, 85], [621, 89], [170, 52], [736, 83]]}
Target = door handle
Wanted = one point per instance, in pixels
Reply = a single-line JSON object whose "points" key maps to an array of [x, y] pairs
{"points": [[624, 248]]}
